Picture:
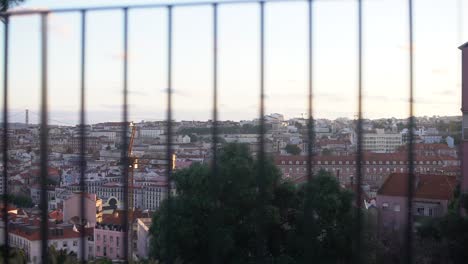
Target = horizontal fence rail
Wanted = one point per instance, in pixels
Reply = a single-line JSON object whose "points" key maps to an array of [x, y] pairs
{"points": [[127, 163]]}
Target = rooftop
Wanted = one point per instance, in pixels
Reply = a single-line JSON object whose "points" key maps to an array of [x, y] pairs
{"points": [[428, 186]]}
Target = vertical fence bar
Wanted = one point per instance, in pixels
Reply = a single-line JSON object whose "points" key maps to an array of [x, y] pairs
{"points": [[310, 130], [83, 138], [261, 152], [126, 161], [169, 257], [308, 253], [359, 159], [214, 132], [411, 125], [459, 69], [5, 140], [44, 141]]}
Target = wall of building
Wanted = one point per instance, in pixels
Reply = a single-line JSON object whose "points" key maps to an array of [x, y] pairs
{"points": [[392, 211], [375, 170], [143, 239], [464, 155], [32, 248], [464, 109], [108, 243], [71, 208]]}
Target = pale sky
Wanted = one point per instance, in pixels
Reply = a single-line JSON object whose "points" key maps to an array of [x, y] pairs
{"points": [[438, 33]]}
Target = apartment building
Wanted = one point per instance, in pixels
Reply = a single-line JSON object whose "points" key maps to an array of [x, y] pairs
{"points": [[108, 241], [432, 195], [376, 166], [381, 142], [27, 236], [146, 197]]}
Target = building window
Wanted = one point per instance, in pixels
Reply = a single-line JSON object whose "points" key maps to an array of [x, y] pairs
{"points": [[64, 244], [98, 237], [384, 206], [396, 208], [98, 249], [117, 240], [431, 212], [111, 250], [420, 210], [75, 243]]}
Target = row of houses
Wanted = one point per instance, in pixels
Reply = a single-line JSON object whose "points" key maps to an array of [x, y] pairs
{"points": [[101, 227]]}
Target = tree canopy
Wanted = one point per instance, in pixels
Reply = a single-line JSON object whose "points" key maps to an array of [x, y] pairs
{"points": [[225, 218], [445, 239], [293, 149]]}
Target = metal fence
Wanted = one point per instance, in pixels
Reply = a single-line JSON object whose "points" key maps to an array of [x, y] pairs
{"points": [[309, 4]]}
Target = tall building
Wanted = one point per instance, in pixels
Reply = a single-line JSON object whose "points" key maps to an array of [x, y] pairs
{"points": [[464, 109]]}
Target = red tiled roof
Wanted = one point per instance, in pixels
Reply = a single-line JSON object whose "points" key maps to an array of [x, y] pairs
{"points": [[117, 217], [34, 233], [438, 187], [56, 215], [424, 146]]}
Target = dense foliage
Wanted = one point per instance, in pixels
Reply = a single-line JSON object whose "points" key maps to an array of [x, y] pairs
{"points": [[445, 239], [227, 219], [22, 201], [293, 149]]}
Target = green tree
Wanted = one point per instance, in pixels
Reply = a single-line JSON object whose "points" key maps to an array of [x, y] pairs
{"points": [[61, 256], [5, 4], [400, 126], [16, 255], [102, 261], [193, 138], [20, 200], [224, 218], [446, 238], [326, 152], [298, 125], [293, 149]]}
